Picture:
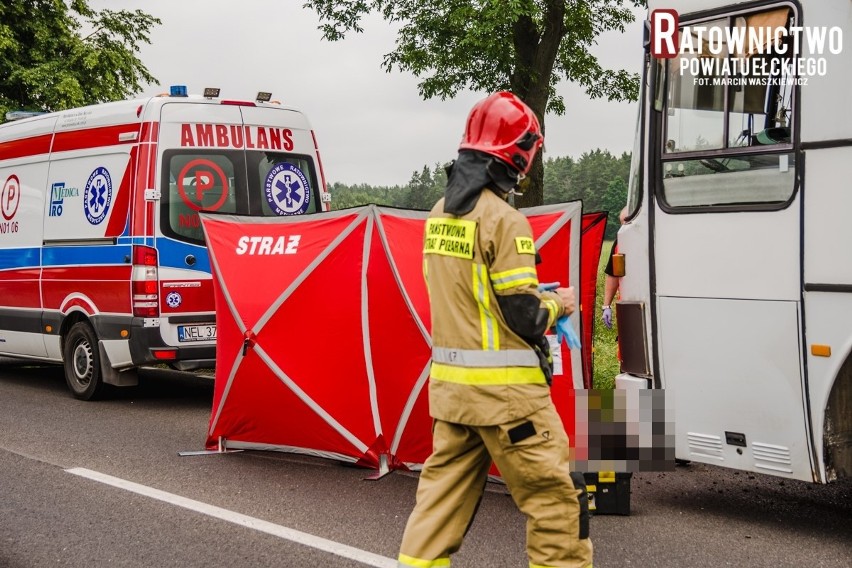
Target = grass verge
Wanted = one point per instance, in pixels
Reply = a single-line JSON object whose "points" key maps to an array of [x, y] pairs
{"points": [[604, 341]]}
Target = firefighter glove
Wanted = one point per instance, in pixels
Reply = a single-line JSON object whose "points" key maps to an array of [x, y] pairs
{"points": [[564, 330]]}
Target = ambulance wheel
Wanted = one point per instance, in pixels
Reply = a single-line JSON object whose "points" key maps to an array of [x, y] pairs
{"points": [[83, 362]]}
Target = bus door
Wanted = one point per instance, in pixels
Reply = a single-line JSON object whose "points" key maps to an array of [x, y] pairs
{"points": [[727, 260]]}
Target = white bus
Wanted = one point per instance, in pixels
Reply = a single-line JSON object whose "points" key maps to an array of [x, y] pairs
{"points": [[737, 289]]}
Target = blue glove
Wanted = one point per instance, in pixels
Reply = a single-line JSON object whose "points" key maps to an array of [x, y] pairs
{"points": [[548, 286], [607, 317], [564, 330]]}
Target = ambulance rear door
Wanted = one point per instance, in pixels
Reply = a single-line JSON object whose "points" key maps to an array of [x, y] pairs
{"points": [[282, 162], [202, 167]]}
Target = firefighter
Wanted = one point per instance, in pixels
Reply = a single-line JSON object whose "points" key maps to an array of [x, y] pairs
{"points": [[489, 390]]}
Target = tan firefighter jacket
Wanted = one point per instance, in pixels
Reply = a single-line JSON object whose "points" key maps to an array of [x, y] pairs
{"points": [[482, 372]]}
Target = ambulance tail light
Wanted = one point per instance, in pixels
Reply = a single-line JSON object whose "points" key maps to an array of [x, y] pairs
{"points": [[145, 282], [237, 103]]}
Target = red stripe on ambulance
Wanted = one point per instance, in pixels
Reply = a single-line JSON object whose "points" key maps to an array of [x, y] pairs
{"points": [[77, 302], [144, 175], [150, 132], [96, 137], [196, 296], [120, 208], [25, 147], [20, 288], [107, 286]]}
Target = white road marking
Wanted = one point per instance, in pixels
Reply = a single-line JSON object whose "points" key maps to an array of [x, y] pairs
{"points": [[239, 519]]}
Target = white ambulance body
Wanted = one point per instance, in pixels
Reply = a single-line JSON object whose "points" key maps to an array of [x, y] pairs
{"points": [[103, 266]]}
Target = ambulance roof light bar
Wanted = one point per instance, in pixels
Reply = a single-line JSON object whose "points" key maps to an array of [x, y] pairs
{"points": [[177, 91], [19, 114], [211, 92]]}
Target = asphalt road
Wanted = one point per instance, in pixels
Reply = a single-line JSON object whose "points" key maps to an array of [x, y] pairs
{"points": [[259, 509]]}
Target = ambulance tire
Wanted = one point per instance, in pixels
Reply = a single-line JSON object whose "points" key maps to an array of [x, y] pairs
{"points": [[82, 362]]}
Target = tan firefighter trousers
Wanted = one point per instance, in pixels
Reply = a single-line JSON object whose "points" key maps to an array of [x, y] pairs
{"points": [[536, 471]]}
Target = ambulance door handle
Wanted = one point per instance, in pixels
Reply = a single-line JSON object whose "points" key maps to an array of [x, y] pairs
{"points": [[190, 259]]}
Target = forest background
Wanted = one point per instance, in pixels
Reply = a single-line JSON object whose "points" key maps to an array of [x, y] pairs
{"points": [[597, 178]]}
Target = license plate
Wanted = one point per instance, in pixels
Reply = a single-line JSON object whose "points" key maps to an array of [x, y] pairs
{"points": [[196, 332]]}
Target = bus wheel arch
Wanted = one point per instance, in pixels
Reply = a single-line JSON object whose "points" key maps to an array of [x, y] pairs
{"points": [[837, 429]]}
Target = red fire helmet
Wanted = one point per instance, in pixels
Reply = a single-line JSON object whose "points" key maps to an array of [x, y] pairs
{"points": [[505, 127]]}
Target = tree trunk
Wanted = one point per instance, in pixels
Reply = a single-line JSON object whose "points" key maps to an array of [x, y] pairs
{"points": [[535, 56], [533, 186]]}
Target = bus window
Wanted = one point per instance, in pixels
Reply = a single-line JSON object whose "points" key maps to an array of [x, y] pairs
{"points": [[695, 118], [745, 180], [726, 116], [653, 77]]}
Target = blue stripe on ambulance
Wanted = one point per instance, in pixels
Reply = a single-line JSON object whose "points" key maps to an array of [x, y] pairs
{"points": [[173, 255], [18, 258], [88, 255]]}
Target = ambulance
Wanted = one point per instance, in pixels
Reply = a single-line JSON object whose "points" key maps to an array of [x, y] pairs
{"points": [[103, 264]]}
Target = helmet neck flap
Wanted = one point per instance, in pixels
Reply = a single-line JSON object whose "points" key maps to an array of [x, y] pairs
{"points": [[472, 172]]}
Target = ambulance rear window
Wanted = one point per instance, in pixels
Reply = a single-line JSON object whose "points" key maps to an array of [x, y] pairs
{"points": [[197, 182], [267, 184], [288, 184]]}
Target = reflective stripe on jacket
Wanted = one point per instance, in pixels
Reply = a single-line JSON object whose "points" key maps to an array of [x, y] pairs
{"points": [[483, 373]]}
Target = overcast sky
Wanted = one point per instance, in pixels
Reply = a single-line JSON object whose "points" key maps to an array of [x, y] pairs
{"points": [[372, 126]]}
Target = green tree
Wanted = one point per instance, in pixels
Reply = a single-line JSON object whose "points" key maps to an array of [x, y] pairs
{"points": [[557, 180], [598, 179], [48, 63], [524, 46], [613, 202], [419, 189], [344, 196], [591, 176], [426, 188]]}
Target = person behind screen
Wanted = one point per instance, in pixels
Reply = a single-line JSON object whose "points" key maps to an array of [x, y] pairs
{"points": [[611, 283]]}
